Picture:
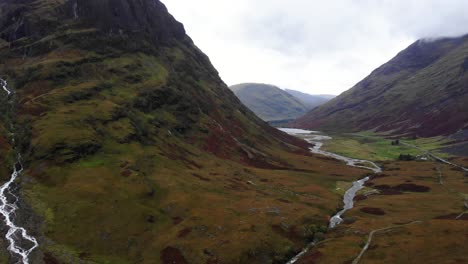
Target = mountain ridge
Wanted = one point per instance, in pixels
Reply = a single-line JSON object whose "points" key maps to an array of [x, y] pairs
{"points": [[391, 97], [269, 102], [273, 104], [311, 100]]}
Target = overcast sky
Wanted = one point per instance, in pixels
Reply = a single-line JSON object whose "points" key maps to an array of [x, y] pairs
{"points": [[319, 47]]}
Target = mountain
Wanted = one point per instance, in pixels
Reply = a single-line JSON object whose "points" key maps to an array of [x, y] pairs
{"points": [[326, 96], [134, 149], [270, 102], [311, 101], [422, 91]]}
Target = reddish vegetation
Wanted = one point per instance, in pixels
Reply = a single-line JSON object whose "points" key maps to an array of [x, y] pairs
{"points": [[259, 163], [172, 255], [38, 172], [380, 175], [290, 233], [303, 152], [213, 260], [50, 259], [406, 187], [372, 210], [288, 139], [223, 141], [410, 187], [177, 220], [325, 158], [222, 144], [219, 142], [33, 110], [380, 100], [33, 92], [200, 177], [184, 232], [236, 184], [310, 258], [126, 173], [453, 217], [360, 197], [387, 190], [124, 164]]}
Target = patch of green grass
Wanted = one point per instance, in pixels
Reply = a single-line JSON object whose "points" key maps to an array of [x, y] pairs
{"points": [[92, 163], [371, 146]]}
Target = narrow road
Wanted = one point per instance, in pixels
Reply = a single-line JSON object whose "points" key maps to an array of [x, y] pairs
{"points": [[371, 235], [434, 156], [441, 179]]}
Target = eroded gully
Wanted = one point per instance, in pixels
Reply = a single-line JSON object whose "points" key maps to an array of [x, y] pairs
{"points": [[20, 243], [317, 140]]}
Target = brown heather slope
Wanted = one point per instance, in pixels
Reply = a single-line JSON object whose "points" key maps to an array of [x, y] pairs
{"points": [[422, 91], [135, 151]]}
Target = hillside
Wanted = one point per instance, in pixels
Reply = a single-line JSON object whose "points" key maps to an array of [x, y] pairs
{"points": [[269, 102], [134, 149], [311, 101], [422, 92]]}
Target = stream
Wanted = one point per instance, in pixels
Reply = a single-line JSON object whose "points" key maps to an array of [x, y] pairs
{"points": [[317, 139], [20, 243]]}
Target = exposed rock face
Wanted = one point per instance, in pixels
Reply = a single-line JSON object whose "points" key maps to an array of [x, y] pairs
{"points": [[144, 18]]}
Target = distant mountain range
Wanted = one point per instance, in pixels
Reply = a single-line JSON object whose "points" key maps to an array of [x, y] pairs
{"points": [[311, 101], [275, 105], [422, 91]]}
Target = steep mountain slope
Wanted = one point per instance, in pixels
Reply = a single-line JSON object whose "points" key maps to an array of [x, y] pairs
{"points": [[269, 102], [422, 91], [311, 101], [134, 149]]}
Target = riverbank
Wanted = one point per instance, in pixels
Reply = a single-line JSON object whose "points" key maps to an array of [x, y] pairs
{"points": [[377, 229], [317, 140]]}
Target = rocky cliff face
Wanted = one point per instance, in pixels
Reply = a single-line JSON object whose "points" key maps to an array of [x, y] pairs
{"points": [[30, 18], [144, 18]]}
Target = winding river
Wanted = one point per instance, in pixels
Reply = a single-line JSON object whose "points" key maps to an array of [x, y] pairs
{"points": [[317, 139], [20, 243]]}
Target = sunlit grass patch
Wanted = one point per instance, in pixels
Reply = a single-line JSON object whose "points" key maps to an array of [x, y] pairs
{"points": [[371, 146], [92, 163]]}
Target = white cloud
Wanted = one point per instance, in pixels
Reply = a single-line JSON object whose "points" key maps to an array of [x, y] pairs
{"points": [[310, 45]]}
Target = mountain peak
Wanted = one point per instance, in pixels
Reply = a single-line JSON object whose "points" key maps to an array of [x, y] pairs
{"points": [[145, 18]]}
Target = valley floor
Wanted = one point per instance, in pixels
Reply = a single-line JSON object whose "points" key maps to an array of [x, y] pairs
{"points": [[412, 212]]}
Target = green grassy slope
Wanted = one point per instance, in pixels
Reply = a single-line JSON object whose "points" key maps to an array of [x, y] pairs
{"points": [[269, 102], [422, 91]]}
